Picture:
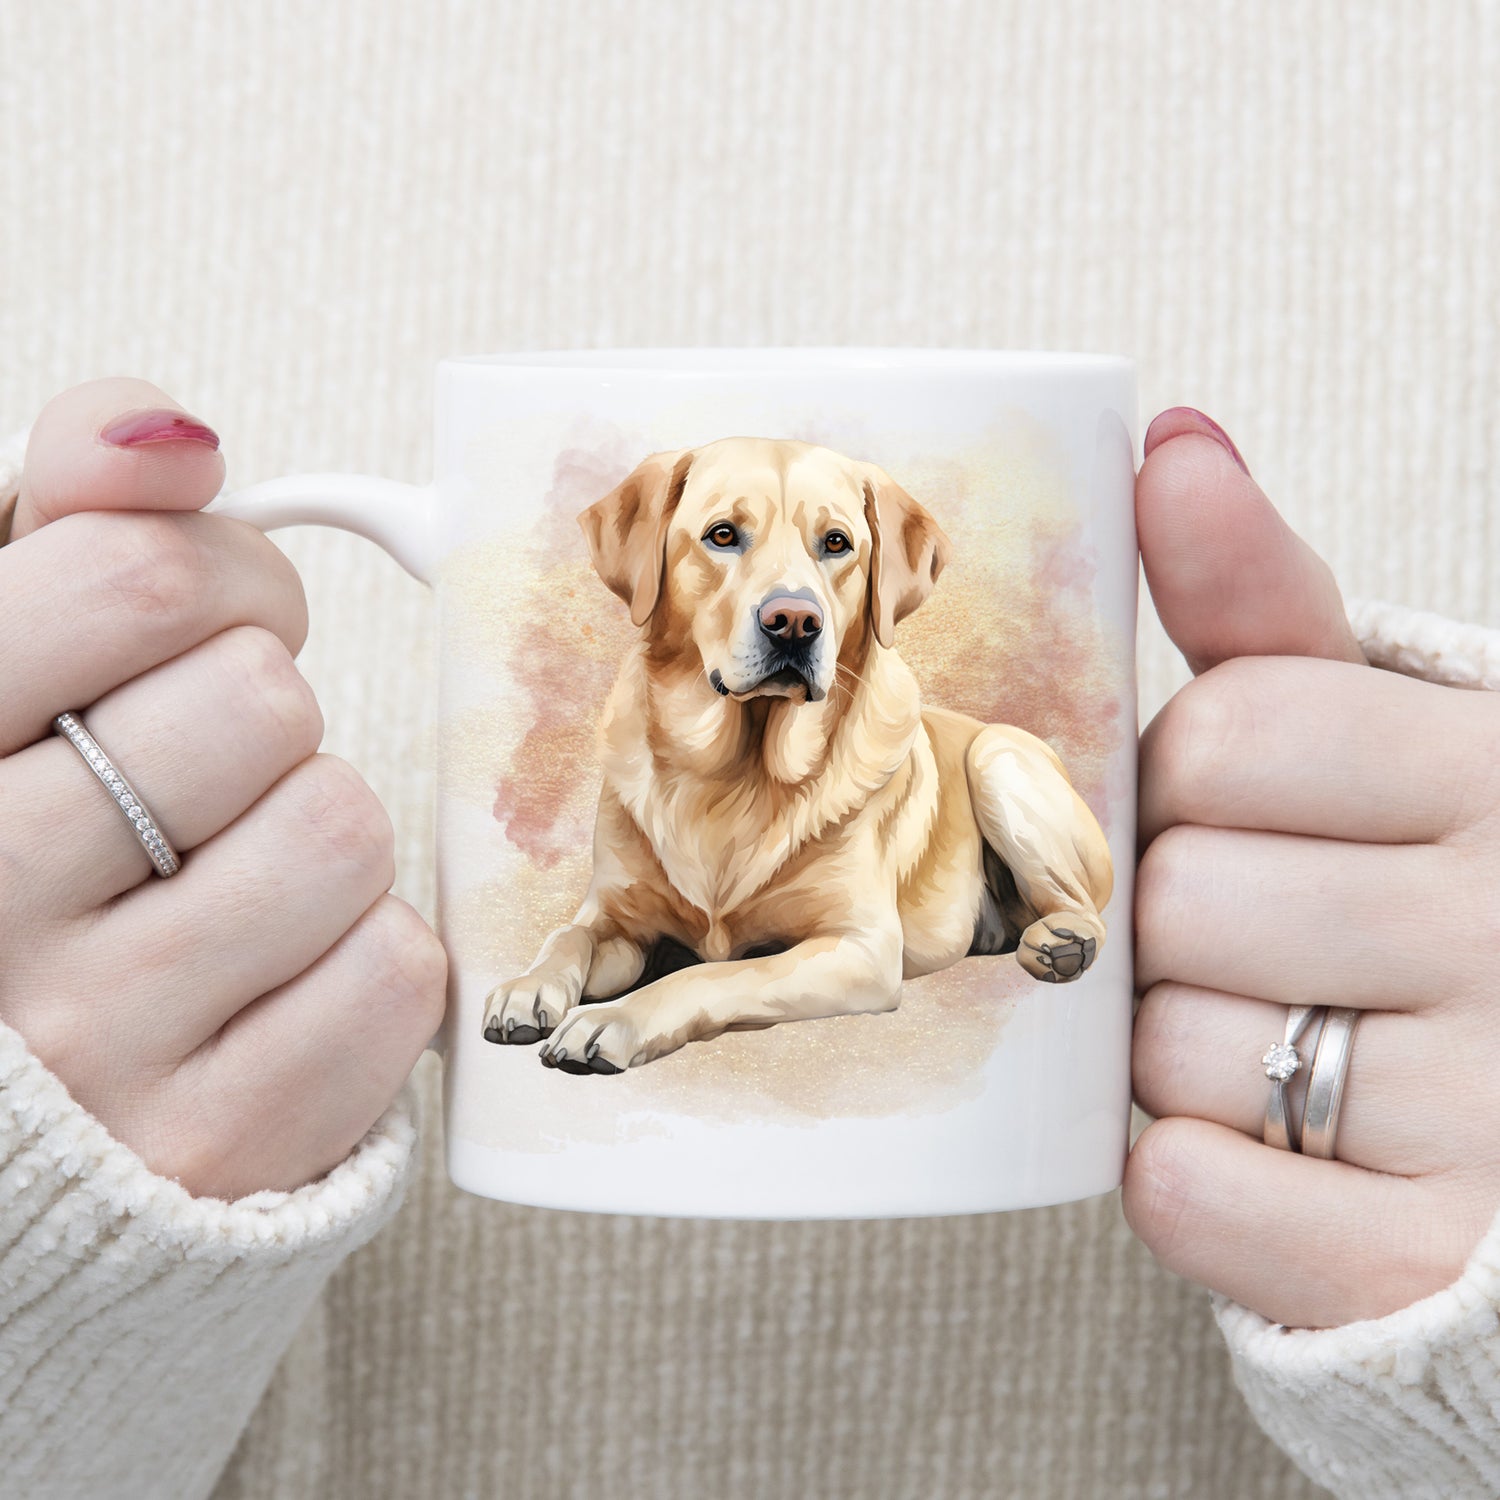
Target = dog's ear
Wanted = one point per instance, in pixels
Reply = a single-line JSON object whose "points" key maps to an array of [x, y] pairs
{"points": [[910, 549], [627, 529]]}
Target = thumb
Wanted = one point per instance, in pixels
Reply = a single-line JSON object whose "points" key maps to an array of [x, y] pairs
{"points": [[1227, 575], [115, 445]]}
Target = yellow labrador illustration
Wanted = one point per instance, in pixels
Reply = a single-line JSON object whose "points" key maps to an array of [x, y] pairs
{"points": [[784, 831]]}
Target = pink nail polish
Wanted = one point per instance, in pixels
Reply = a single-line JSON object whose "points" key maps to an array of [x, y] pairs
{"points": [[1189, 418], [139, 428]]}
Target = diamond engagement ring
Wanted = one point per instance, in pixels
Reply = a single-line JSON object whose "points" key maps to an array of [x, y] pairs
{"points": [[164, 857], [1281, 1061]]}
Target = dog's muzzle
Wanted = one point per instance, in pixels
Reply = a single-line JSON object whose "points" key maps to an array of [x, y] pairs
{"points": [[789, 629]]}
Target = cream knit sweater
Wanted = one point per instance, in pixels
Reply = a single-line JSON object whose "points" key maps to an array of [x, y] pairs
{"points": [[285, 213]]}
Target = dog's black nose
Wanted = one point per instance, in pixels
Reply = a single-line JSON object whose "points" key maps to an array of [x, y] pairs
{"points": [[786, 617]]}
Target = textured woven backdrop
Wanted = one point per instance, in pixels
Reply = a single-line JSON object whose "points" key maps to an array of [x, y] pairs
{"points": [[285, 212]]}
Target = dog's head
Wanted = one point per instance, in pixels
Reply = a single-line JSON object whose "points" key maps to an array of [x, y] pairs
{"points": [[769, 555]]}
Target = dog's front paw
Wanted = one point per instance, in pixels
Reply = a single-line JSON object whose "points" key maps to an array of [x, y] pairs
{"points": [[596, 1039], [529, 1008], [1054, 951]]}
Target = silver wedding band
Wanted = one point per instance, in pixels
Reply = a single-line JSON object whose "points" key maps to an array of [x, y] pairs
{"points": [[1318, 1128], [1325, 1083], [164, 858]]}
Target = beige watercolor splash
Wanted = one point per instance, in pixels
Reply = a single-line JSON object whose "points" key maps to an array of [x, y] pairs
{"points": [[1010, 635]]}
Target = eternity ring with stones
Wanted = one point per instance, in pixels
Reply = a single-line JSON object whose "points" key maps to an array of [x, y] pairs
{"points": [[164, 857], [1281, 1061]]}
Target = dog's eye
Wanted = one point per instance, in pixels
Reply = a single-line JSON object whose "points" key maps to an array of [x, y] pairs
{"points": [[836, 543], [722, 535]]}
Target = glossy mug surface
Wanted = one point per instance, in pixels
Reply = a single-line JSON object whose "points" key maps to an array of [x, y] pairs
{"points": [[786, 782]]}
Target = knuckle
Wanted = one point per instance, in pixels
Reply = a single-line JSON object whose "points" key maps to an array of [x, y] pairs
{"points": [[412, 962], [1156, 1047], [1484, 934], [1157, 1196], [1159, 878], [343, 815], [266, 676], [276, 571], [1206, 732], [1476, 716], [148, 565]]}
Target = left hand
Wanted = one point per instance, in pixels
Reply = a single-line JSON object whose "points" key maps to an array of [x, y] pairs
{"points": [[1318, 832]]}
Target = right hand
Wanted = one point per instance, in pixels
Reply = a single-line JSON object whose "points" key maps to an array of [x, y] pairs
{"points": [[242, 1024]]}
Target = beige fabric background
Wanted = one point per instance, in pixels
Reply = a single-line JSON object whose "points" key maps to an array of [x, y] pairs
{"points": [[284, 213]]}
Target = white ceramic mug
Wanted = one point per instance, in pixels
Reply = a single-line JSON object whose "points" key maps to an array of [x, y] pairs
{"points": [[786, 805]]}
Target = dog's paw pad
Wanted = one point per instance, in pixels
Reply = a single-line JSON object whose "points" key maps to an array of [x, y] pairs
{"points": [[1072, 956], [526, 1010], [597, 1064], [580, 1066], [1056, 954], [510, 1032], [595, 1039]]}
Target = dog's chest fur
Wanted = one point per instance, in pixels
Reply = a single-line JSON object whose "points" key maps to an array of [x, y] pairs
{"points": [[719, 847], [740, 845], [711, 874]]}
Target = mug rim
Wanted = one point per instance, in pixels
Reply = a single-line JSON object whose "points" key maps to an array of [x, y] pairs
{"points": [[753, 359]]}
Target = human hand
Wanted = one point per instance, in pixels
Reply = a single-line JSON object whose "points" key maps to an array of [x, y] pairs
{"points": [[241, 1024], [1315, 832]]}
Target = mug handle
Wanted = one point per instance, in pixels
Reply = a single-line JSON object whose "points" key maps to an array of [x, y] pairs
{"points": [[402, 519]]}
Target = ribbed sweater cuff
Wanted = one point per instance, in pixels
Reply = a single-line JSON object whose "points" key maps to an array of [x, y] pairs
{"points": [[130, 1306], [1404, 1407], [1418, 643]]}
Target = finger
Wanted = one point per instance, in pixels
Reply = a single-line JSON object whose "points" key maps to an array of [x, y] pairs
{"points": [[250, 909], [1227, 575], [199, 739], [1302, 1241], [1197, 1052], [1316, 747], [115, 444], [1305, 921], [286, 1089], [95, 599]]}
